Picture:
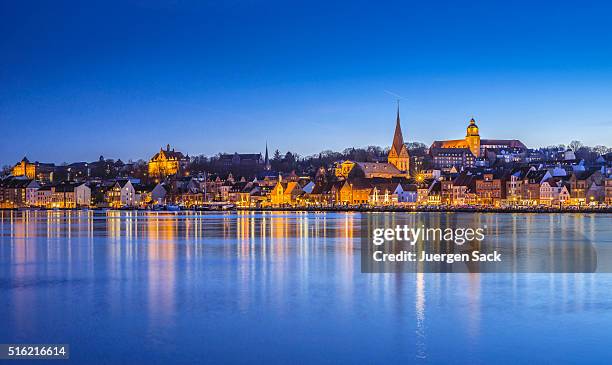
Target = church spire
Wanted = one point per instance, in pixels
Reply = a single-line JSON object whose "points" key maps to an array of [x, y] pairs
{"points": [[398, 139], [398, 154], [267, 165]]}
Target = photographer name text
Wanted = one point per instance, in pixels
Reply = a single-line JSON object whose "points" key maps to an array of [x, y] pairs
{"points": [[408, 256]]}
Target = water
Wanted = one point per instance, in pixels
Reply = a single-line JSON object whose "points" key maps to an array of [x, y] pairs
{"points": [[158, 288]]}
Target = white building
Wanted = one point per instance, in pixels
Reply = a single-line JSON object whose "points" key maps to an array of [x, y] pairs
{"points": [[69, 195], [407, 194], [554, 191], [549, 192], [41, 197], [158, 194], [122, 194]]}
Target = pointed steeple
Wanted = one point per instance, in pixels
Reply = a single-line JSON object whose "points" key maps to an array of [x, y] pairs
{"points": [[398, 139], [267, 165], [398, 154]]}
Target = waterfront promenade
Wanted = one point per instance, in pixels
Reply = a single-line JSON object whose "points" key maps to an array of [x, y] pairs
{"points": [[474, 209], [414, 209]]}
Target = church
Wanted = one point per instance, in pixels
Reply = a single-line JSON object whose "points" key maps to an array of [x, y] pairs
{"points": [[397, 165], [398, 154]]}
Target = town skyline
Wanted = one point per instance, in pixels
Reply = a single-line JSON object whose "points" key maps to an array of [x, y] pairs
{"points": [[267, 145], [10, 164]]}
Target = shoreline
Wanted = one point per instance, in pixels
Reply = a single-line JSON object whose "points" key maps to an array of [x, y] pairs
{"points": [[606, 210], [429, 210]]}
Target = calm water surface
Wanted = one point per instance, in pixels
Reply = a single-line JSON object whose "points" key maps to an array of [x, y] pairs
{"points": [[151, 288]]}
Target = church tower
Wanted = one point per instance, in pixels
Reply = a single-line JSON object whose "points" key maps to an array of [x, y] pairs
{"points": [[472, 138], [267, 165], [398, 155]]}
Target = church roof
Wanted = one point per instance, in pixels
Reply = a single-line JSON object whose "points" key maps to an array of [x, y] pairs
{"points": [[378, 168], [398, 139], [510, 143]]}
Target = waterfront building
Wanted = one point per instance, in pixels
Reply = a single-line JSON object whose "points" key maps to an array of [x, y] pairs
{"points": [[514, 184], [531, 186], [285, 193], [260, 196], [446, 190], [16, 192], [168, 163], [82, 194], [434, 193], [550, 191], [608, 190], [159, 193], [41, 197], [122, 194], [423, 188], [596, 193], [143, 194], [408, 193], [246, 196], [490, 189], [564, 193], [353, 192], [323, 192], [223, 190], [581, 182], [70, 195], [463, 186], [384, 193]]}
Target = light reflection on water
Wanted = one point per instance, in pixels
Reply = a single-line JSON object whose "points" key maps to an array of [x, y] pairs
{"points": [[284, 287]]}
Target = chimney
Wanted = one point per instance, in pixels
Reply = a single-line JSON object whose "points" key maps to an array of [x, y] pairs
{"points": [[168, 147]]}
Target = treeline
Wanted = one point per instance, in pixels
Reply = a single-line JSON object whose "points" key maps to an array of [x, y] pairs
{"points": [[582, 152], [306, 165]]}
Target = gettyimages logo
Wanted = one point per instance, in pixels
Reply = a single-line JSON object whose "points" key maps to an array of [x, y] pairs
{"points": [[412, 235], [440, 242]]}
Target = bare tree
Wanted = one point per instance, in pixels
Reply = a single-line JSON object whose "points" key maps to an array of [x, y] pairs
{"points": [[575, 145], [601, 150]]}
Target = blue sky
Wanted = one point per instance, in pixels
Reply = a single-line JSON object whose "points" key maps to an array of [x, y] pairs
{"points": [[83, 79]]}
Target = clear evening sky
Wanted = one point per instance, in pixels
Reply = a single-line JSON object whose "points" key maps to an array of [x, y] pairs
{"points": [[79, 80]]}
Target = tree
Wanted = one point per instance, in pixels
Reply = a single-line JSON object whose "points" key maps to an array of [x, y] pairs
{"points": [[416, 145], [417, 149], [575, 145], [601, 150], [277, 156], [289, 158]]}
